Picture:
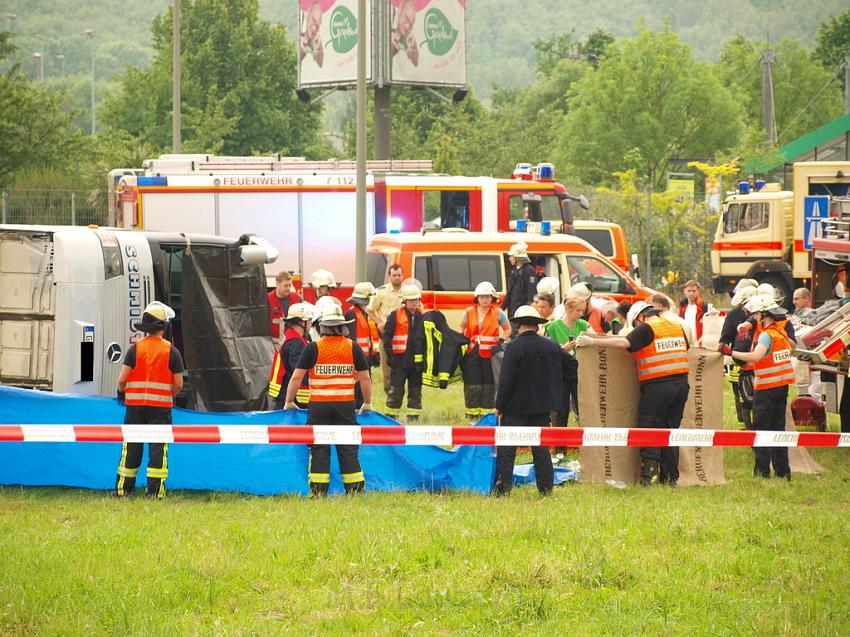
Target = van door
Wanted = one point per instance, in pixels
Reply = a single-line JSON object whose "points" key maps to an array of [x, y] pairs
{"points": [[603, 279], [449, 280]]}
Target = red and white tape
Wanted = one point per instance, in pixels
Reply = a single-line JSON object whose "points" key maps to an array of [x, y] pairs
{"points": [[420, 435]]}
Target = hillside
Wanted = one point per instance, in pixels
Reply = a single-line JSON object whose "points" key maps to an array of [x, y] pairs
{"points": [[499, 38]]}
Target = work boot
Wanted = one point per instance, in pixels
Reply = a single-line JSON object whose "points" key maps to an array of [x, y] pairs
{"points": [[319, 489], [650, 474], [155, 489], [354, 488], [413, 419]]}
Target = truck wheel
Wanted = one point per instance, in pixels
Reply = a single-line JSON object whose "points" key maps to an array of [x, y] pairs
{"points": [[783, 294]]}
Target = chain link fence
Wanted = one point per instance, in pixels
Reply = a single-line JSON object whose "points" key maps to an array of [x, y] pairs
{"points": [[53, 207]]}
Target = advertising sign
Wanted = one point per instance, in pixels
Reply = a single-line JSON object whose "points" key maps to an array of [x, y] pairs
{"points": [[428, 42], [684, 188], [327, 43]]}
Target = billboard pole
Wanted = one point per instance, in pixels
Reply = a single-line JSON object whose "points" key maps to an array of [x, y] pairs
{"points": [[383, 122], [360, 265]]}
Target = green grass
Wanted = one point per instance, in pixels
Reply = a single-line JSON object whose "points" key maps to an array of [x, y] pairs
{"points": [[747, 558]]}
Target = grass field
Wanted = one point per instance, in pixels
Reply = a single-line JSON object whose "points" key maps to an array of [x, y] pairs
{"points": [[747, 558]]}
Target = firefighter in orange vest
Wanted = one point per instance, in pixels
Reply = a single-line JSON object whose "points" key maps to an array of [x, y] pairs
{"points": [[297, 325], [485, 325], [151, 376], [405, 362], [335, 364], [660, 349], [364, 331], [771, 358]]}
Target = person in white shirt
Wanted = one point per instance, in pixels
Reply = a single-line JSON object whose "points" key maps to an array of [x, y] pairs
{"points": [[665, 304]]}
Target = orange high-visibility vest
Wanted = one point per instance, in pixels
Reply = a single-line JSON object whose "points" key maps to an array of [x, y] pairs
{"points": [[400, 335], [332, 377], [666, 355], [279, 371], [151, 381], [486, 336], [775, 369], [365, 331]]}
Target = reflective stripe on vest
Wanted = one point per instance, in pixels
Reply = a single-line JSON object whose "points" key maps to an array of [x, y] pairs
{"points": [[332, 377], [667, 355], [775, 369], [402, 326], [149, 383], [486, 335], [363, 330]]}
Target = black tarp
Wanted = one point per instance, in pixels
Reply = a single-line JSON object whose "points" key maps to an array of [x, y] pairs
{"points": [[225, 323]]}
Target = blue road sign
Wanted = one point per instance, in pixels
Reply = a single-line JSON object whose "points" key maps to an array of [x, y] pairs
{"points": [[815, 209]]}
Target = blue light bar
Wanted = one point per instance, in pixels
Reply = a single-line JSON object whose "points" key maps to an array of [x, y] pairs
{"points": [[152, 181], [546, 172], [743, 187], [759, 184]]}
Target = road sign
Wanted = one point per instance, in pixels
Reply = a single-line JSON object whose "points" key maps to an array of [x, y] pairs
{"points": [[815, 209]]}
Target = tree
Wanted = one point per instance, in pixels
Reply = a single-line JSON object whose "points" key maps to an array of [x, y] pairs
{"points": [[34, 127], [806, 95], [238, 81], [648, 99], [833, 43]]}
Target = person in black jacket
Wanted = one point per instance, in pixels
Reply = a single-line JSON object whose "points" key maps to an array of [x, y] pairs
{"points": [[522, 279], [530, 387], [740, 379]]}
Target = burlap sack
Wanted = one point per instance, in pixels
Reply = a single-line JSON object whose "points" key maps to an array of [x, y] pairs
{"points": [[608, 395], [712, 326], [704, 410], [799, 458]]}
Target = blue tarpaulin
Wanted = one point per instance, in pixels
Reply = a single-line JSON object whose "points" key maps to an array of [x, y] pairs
{"points": [[259, 469]]}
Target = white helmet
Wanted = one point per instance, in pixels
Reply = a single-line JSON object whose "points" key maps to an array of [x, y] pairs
{"points": [[332, 315], [155, 317], [485, 288], [323, 277], [766, 289], [636, 310], [580, 290], [528, 314], [519, 250], [764, 303], [743, 294], [548, 285], [410, 292], [300, 311], [746, 283], [363, 290]]}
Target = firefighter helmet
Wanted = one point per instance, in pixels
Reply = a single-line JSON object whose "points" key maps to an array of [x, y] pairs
{"points": [[362, 291], [580, 291], [743, 294], [300, 312], [323, 278], [519, 250], [410, 292], [527, 315], [764, 303], [332, 315], [766, 289], [485, 288], [638, 309], [155, 317], [548, 285]]}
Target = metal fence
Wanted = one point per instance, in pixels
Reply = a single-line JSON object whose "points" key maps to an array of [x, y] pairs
{"points": [[53, 207]]}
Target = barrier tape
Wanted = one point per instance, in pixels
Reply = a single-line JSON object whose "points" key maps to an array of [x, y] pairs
{"points": [[420, 435]]}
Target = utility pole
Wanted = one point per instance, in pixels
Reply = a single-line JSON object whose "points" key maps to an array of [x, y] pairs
{"points": [[39, 65], [360, 235], [176, 106], [89, 33], [768, 115], [646, 273], [383, 123], [61, 58], [847, 83]]}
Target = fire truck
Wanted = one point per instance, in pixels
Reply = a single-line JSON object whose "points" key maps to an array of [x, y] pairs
{"points": [[766, 233], [70, 298], [306, 209]]}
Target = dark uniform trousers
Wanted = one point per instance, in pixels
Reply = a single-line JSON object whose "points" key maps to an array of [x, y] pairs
{"points": [[131, 453], [769, 415], [479, 386], [506, 456], [400, 373], [319, 473], [661, 406]]}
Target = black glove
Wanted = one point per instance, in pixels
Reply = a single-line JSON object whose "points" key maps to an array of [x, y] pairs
{"points": [[120, 395], [375, 360], [444, 384]]}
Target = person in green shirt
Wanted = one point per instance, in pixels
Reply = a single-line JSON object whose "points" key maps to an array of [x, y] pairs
{"points": [[565, 332]]}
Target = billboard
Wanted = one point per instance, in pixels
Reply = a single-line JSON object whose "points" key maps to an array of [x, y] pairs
{"points": [[327, 43], [427, 43]]}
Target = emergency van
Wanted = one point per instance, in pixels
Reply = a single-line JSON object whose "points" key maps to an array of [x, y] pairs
{"points": [[766, 233], [306, 209], [450, 263], [70, 297]]}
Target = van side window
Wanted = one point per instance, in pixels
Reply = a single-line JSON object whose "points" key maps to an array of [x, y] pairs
{"points": [[754, 216], [599, 238], [457, 273], [731, 218], [598, 274]]}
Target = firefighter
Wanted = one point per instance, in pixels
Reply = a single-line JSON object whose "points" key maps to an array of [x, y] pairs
{"points": [[405, 362], [485, 325], [151, 376], [529, 388], [740, 376], [660, 349], [544, 300], [364, 331], [280, 300], [387, 300], [297, 327], [323, 282], [522, 280], [335, 363], [771, 358]]}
